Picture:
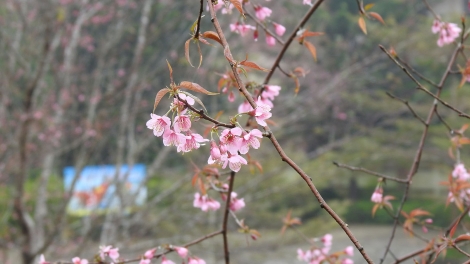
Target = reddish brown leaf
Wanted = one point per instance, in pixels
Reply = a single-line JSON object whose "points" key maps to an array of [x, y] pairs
{"points": [[462, 81], [464, 141], [404, 214], [408, 227], [374, 209], [299, 71], [312, 49], [297, 85], [238, 5], [258, 165], [202, 187], [377, 16], [186, 51], [418, 212], [171, 71], [451, 153], [194, 87], [253, 65], [194, 179], [454, 227], [202, 40], [362, 25], [160, 95], [311, 34], [212, 35], [462, 237], [200, 54]]}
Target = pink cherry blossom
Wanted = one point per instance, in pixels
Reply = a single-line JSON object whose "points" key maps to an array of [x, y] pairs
{"points": [[327, 240], [166, 261], [109, 251], [42, 260], [279, 29], [271, 91], [172, 138], [250, 139], [262, 112], [215, 153], [77, 260], [182, 251], [349, 250], [436, 26], [231, 138], [245, 107], [255, 35], [182, 123], [305, 256], [235, 203], [234, 162], [180, 106], [377, 195], [307, 2], [241, 29], [205, 203], [448, 32], [428, 221], [150, 253], [270, 40], [144, 261], [192, 142], [425, 229], [159, 124], [262, 12], [347, 261], [195, 260], [266, 101], [460, 172]]}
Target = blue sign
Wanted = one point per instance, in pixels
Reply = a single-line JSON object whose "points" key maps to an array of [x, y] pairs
{"points": [[96, 188]]}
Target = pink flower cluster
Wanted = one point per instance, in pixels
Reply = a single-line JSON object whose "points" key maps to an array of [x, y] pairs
{"points": [[317, 255], [109, 251], [460, 172], [459, 192], [241, 29], [177, 133], [233, 141], [448, 32], [208, 204], [182, 252], [205, 203], [264, 104], [377, 195], [235, 203]]}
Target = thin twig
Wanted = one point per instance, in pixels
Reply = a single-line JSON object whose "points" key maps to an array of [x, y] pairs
{"points": [[461, 251], [198, 29], [409, 107], [291, 38], [431, 10], [271, 136], [203, 115], [168, 250], [421, 87], [416, 72], [443, 122], [416, 161], [369, 172], [267, 30], [462, 114], [224, 222]]}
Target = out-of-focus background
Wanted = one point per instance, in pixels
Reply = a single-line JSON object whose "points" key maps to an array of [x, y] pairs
{"points": [[77, 84]]}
